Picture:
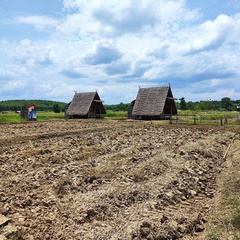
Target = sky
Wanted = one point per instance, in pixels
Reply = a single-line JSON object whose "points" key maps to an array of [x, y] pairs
{"points": [[50, 49]]}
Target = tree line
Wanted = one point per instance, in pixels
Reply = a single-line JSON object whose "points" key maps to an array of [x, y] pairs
{"points": [[42, 105], [47, 105], [225, 104]]}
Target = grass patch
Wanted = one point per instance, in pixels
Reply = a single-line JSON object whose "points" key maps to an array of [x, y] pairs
{"points": [[116, 115], [224, 220], [41, 116], [209, 114], [7, 117], [10, 116], [209, 117], [236, 219]]}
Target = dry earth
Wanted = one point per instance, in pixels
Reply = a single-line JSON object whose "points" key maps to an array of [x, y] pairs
{"points": [[96, 179]]}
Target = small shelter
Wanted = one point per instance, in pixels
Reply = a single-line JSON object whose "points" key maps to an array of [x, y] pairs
{"points": [[153, 103], [85, 105]]}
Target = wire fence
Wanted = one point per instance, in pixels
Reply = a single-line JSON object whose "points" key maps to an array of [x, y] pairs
{"points": [[205, 120]]}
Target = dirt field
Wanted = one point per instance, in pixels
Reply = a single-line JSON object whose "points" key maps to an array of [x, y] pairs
{"points": [[96, 179]]}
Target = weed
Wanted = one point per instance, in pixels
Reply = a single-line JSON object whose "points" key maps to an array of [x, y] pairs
{"points": [[61, 187], [236, 220], [236, 215]]}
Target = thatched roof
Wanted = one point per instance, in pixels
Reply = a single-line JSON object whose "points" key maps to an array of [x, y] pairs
{"points": [[82, 102], [154, 102]]}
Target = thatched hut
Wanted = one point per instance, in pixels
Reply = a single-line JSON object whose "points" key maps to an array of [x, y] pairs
{"points": [[85, 105], [154, 103]]}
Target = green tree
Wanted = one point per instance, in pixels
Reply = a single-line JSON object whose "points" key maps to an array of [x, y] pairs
{"points": [[183, 104], [227, 103], [56, 108], [191, 106]]}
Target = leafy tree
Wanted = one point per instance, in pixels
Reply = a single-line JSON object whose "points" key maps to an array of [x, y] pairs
{"points": [[191, 106], [227, 103], [118, 107], [183, 104], [42, 105], [56, 108]]}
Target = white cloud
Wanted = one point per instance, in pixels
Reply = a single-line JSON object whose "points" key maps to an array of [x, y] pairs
{"points": [[107, 45], [114, 18], [212, 34], [102, 55], [38, 21]]}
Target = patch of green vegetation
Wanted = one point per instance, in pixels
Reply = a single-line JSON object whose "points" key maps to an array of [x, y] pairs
{"points": [[42, 105], [41, 116], [236, 215], [118, 107], [225, 216], [209, 117], [10, 116], [7, 117], [115, 115]]}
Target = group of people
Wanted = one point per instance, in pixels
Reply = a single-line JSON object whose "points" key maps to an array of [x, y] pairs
{"points": [[32, 112]]}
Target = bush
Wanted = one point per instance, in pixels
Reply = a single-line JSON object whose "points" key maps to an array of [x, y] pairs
{"points": [[56, 108]]}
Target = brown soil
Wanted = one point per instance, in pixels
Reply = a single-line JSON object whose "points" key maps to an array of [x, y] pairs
{"points": [[96, 179]]}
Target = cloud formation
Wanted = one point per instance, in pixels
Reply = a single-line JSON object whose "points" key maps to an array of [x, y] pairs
{"points": [[102, 55], [106, 45]]}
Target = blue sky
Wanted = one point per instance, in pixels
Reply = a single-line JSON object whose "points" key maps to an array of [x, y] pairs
{"points": [[49, 49]]}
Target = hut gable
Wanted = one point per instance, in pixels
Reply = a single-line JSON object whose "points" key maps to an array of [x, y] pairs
{"points": [[85, 105], [154, 102]]}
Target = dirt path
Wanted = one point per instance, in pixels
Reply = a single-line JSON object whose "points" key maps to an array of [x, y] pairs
{"points": [[86, 179]]}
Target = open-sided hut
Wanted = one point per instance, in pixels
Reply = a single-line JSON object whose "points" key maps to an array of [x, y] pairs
{"points": [[85, 105], [154, 103]]}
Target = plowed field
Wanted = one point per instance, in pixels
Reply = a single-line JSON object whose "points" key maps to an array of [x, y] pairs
{"points": [[96, 179]]}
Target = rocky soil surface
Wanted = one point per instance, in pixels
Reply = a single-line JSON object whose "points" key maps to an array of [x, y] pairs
{"points": [[96, 179]]}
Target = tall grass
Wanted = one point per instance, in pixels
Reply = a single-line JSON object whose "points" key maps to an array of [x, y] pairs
{"points": [[209, 115], [6, 117], [41, 116], [10, 116], [115, 115]]}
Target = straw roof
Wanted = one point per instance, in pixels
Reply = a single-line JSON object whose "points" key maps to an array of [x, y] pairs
{"points": [[154, 102], [82, 102]]}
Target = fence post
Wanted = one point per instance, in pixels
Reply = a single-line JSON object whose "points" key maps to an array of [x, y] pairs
{"points": [[221, 122], [194, 119]]}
